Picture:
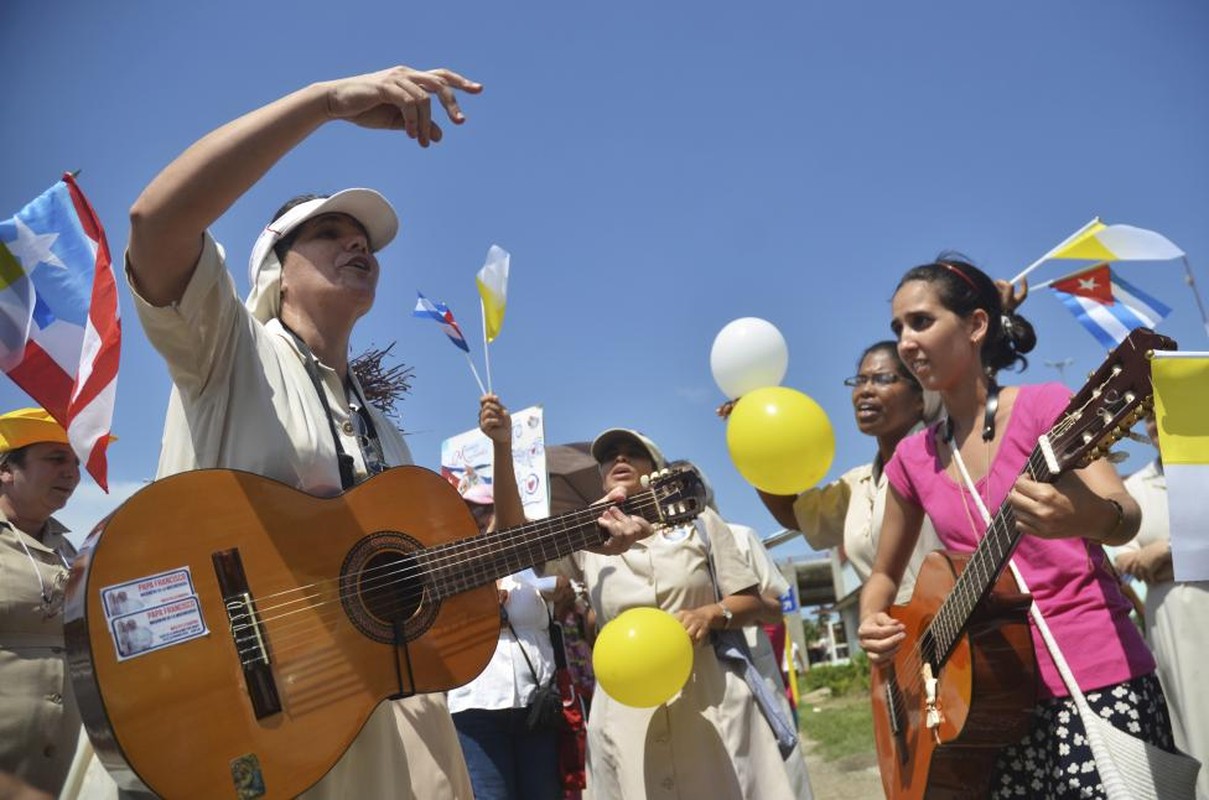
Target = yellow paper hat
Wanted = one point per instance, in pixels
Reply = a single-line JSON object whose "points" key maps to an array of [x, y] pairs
{"points": [[27, 426]]}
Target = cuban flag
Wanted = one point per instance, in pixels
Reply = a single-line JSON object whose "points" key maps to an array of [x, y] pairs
{"points": [[1107, 306], [440, 313], [60, 330]]}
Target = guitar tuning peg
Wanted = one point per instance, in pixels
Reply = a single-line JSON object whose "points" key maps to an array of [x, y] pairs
{"points": [[645, 480], [1116, 457]]}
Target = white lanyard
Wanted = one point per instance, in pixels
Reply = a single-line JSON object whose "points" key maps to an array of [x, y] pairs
{"points": [[48, 599]]}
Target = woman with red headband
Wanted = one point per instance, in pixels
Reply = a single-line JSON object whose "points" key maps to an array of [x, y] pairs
{"points": [[954, 335]]}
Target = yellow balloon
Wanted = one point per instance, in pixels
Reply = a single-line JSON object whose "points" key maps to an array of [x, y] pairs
{"points": [[780, 440], [642, 657]]}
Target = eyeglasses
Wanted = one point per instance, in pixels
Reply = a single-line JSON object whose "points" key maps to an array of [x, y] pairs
{"points": [[877, 379]]}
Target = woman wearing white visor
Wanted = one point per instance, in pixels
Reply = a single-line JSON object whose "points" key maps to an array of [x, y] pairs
{"points": [[265, 386]]}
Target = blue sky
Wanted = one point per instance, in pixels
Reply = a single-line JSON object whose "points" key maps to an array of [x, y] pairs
{"points": [[656, 170]]}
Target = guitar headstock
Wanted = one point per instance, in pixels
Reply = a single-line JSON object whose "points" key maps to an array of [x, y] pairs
{"points": [[679, 494], [1115, 397]]}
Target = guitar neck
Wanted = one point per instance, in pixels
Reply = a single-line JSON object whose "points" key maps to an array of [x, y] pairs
{"points": [[478, 560], [986, 563]]}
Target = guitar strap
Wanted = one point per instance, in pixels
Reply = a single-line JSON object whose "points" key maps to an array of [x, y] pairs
{"points": [[731, 645], [343, 459]]}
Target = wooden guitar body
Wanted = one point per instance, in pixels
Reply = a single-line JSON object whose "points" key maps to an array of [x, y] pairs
{"points": [[985, 690], [228, 636], [181, 718]]}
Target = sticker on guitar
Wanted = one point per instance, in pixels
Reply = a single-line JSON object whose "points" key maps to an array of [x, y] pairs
{"points": [[153, 612]]}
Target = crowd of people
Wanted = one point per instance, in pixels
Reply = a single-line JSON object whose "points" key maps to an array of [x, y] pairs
{"points": [[264, 385]]}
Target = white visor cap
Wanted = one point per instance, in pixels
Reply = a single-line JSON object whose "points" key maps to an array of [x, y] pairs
{"points": [[366, 206]]}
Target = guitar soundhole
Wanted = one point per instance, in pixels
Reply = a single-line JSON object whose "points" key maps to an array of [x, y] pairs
{"points": [[386, 587]]}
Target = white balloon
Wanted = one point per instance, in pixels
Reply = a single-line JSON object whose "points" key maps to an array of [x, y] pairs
{"points": [[748, 353]]}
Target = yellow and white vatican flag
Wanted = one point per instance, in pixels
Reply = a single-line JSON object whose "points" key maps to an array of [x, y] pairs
{"points": [[1096, 241], [1181, 387], [1100, 242], [492, 281]]}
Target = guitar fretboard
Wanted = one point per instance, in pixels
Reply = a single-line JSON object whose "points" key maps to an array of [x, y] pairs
{"points": [[981, 572], [478, 560]]}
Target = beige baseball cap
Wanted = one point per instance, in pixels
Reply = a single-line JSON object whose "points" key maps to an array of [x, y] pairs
{"points": [[605, 440]]}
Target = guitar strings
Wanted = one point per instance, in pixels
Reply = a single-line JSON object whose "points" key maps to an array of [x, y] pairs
{"points": [[302, 625], [393, 574], [943, 632], [480, 543], [388, 575], [283, 634], [465, 550]]}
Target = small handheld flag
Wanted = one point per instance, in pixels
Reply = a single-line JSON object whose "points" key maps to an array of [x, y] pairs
{"points": [[1107, 306], [1119, 243], [60, 329], [1096, 241], [492, 281], [440, 314]]}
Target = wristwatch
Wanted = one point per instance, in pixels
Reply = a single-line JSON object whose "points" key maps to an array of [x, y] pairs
{"points": [[727, 614]]}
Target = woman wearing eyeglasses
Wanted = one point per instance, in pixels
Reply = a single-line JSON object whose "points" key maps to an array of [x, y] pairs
{"points": [[888, 403], [39, 721]]}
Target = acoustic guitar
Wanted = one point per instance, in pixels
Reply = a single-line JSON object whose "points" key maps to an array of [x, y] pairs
{"points": [[228, 635], [963, 684]]}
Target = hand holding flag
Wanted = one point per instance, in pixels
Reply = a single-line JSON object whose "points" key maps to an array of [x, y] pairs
{"points": [[60, 329]]}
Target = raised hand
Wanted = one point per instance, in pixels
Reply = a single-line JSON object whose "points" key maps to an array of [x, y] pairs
{"points": [[494, 420], [399, 98]]}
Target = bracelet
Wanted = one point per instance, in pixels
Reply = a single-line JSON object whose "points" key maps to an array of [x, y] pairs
{"points": [[1120, 518]]}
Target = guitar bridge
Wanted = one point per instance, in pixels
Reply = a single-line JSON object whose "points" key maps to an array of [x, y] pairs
{"points": [[247, 633], [932, 714]]}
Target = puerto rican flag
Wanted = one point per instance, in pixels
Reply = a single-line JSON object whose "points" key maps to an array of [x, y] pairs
{"points": [[60, 328], [440, 313], [1107, 306]]}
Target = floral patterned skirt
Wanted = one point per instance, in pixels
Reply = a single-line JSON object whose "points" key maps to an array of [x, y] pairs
{"points": [[1054, 759]]}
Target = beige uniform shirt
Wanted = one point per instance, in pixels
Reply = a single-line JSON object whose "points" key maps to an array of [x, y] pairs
{"points": [[242, 399], [848, 512], [711, 739], [39, 722]]}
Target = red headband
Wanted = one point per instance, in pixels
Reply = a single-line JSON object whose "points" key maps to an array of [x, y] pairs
{"points": [[959, 273]]}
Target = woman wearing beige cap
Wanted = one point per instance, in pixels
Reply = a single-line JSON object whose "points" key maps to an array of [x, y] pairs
{"points": [[710, 740], [39, 722]]}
